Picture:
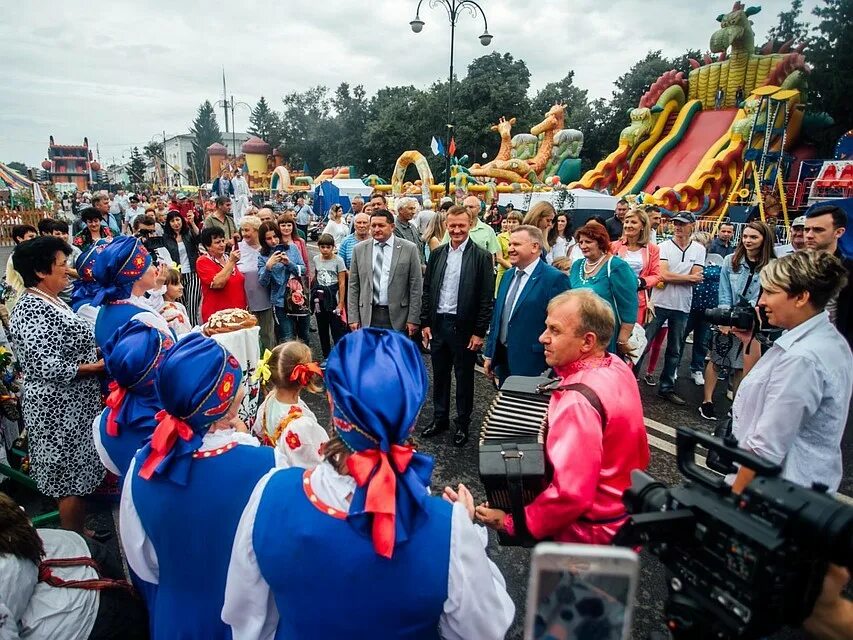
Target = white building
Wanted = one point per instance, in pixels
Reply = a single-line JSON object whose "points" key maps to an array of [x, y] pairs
{"points": [[179, 155]]}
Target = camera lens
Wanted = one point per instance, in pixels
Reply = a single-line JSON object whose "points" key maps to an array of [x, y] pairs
{"points": [[645, 494]]}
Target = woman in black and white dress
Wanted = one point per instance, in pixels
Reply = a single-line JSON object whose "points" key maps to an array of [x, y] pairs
{"points": [[181, 241], [56, 350]]}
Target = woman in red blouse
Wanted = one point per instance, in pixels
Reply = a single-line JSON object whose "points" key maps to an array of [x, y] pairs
{"points": [[221, 280]]}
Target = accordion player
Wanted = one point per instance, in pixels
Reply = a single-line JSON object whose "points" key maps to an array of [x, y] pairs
{"points": [[513, 466]]}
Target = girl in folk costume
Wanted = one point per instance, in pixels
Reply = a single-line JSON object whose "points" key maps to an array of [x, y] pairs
{"points": [[285, 421], [408, 565], [125, 273], [186, 488], [173, 311], [133, 355]]}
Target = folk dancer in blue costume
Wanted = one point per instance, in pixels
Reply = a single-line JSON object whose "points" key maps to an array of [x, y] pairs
{"points": [[186, 488], [125, 273], [407, 565], [85, 286], [133, 355]]}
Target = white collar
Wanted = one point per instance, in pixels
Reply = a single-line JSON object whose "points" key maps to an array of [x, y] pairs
{"points": [[389, 242], [331, 487], [790, 337], [221, 437], [461, 246], [529, 269]]}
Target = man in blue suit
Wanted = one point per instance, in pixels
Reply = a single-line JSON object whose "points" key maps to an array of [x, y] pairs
{"points": [[518, 318]]}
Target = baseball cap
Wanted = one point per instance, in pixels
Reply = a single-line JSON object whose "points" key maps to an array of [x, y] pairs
{"points": [[684, 216], [799, 221]]}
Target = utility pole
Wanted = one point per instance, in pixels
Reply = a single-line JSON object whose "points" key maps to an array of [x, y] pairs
{"points": [[225, 104]]}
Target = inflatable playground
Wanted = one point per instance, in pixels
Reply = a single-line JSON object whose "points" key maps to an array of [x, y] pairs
{"points": [[724, 141]]}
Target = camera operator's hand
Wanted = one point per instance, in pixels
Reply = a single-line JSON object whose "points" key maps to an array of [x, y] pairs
{"points": [[832, 616]]}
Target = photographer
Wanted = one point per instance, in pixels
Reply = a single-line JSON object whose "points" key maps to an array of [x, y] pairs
{"points": [[792, 405], [739, 279]]}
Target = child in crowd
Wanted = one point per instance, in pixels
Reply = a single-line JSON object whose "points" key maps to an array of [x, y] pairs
{"points": [[173, 311], [328, 291], [284, 420]]}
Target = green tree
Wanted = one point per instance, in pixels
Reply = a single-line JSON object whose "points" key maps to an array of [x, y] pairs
{"points": [[831, 53], [206, 131], [578, 110], [496, 85], [265, 123], [790, 26], [346, 127], [136, 167], [20, 167], [304, 127], [392, 127]]}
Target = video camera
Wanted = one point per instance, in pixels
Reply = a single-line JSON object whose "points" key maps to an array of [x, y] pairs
{"points": [[738, 566], [741, 316]]}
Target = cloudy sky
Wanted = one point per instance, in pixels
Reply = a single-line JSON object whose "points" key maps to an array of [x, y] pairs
{"points": [[122, 72]]}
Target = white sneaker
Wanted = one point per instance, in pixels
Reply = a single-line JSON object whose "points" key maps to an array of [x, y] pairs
{"points": [[698, 378]]}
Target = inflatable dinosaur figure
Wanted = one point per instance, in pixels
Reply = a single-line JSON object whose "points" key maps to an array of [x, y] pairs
{"points": [[739, 70], [504, 128], [564, 162]]}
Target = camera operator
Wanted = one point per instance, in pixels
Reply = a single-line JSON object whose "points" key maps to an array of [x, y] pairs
{"points": [[593, 450], [792, 405]]}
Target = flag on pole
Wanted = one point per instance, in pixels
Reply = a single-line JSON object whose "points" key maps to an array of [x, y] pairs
{"points": [[451, 149], [436, 149]]}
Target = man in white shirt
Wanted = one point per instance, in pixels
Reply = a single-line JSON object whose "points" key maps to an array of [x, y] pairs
{"points": [[682, 262], [303, 215]]}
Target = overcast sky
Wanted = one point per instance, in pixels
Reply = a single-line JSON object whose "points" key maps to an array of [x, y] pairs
{"points": [[122, 72]]}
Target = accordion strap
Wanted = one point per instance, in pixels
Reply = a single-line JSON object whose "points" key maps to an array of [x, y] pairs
{"points": [[587, 392]]}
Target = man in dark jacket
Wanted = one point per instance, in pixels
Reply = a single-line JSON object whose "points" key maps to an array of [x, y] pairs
{"points": [[459, 286]]}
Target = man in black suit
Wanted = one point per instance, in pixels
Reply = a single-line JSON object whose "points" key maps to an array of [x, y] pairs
{"points": [[459, 286]]}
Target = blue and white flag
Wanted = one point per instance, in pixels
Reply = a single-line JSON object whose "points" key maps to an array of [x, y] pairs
{"points": [[436, 147]]}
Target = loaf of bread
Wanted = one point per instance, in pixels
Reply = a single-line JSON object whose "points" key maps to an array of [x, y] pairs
{"points": [[229, 320]]}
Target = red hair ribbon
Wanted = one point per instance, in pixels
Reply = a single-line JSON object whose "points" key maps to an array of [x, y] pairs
{"points": [[302, 373], [113, 402], [382, 490], [169, 428]]}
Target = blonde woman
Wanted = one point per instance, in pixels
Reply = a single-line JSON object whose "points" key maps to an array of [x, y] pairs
{"points": [[434, 234], [641, 255], [541, 215]]}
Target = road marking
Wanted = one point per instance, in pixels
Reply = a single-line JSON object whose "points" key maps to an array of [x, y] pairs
{"points": [[665, 445]]}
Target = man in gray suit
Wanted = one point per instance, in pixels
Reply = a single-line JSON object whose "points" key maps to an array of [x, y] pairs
{"points": [[385, 281]]}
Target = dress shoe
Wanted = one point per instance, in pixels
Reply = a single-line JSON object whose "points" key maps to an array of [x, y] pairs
{"points": [[460, 438], [433, 429]]}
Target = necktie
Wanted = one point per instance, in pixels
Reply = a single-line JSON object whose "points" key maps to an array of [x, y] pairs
{"points": [[506, 314], [378, 259]]}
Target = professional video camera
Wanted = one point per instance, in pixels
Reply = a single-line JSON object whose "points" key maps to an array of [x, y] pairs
{"points": [[738, 566], [741, 316]]}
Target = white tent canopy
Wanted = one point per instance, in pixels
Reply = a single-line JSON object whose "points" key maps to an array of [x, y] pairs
{"points": [[562, 200], [351, 187]]}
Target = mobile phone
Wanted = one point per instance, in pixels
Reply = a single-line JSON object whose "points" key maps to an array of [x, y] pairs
{"points": [[573, 586], [281, 248]]}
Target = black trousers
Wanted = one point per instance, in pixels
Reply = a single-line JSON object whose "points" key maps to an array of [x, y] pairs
{"points": [[120, 614], [328, 321], [449, 352]]}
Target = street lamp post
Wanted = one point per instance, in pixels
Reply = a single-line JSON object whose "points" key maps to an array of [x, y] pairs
{"points": [[453, 8]]}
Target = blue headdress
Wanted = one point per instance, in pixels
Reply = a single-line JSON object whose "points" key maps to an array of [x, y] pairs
{"points": [[197, 381], [134, 353], [121, 263], [378, 383], [85, 286]]}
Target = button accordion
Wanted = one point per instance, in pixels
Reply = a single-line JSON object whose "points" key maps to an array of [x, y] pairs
{"points": [[513, 466]]}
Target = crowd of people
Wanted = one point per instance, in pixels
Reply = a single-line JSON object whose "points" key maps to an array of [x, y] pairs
{"points": [[105, 308]]}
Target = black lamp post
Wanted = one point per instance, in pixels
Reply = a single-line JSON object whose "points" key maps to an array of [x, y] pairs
{"points": [[453, 8]]}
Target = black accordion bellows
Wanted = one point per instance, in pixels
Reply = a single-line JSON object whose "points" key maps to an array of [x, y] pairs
{"points": [[513, 467]]}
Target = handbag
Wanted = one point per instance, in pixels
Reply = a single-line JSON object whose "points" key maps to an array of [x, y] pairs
{"points": [[637, 341], [295, 303]]}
